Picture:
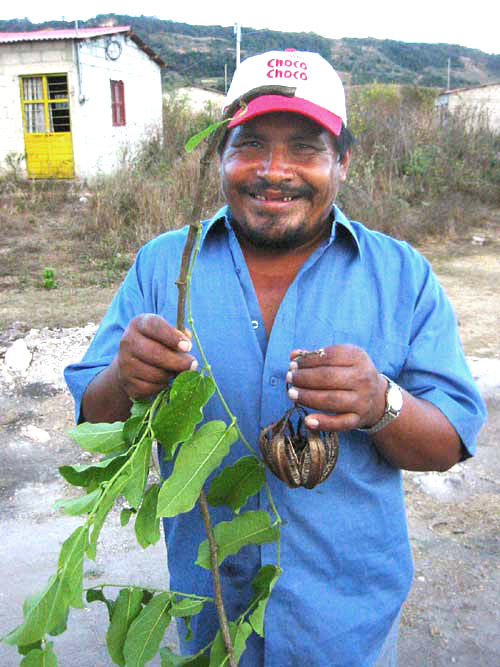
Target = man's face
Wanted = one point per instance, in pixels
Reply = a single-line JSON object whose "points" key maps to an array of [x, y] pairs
{"points": [[280, 175]]}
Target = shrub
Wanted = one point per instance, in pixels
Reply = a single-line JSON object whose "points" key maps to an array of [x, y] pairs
{"points": [[411, 175]]}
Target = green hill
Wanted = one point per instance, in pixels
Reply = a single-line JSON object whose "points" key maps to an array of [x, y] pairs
{"points": [[199, 54]]}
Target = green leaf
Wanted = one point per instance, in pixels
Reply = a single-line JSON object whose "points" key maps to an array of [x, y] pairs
{"points": [[147, 524], [24, 650], [176, 419], [110, 494], [169, 659], [125, 610], [196, 139], [147, 630], [80, 505], [231, 536], [196, 460], [125, 515], [96, 595], [101, 438], [239, 635], [138, 473], [39, 615], [139, 408], [131, 429], [70, 566], [186, 607], [262, 585], [92, 475], [237, 483], [39, 657]]}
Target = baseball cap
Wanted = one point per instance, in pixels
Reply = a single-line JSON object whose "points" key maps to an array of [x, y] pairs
{"points": [[298, 81]]}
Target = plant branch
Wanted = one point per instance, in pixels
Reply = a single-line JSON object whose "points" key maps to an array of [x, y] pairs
{"points": [[219, 604], [181, 310], [194, 224]]}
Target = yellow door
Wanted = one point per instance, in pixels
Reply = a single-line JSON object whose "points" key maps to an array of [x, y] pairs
{"points": [[47, 126]]}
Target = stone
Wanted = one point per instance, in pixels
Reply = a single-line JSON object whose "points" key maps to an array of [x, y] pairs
{"points": [[18, 357]]}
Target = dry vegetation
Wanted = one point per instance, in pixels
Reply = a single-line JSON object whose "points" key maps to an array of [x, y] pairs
{"points": [[411, 176]]}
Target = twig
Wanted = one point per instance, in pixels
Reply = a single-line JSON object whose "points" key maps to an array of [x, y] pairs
{"points": [[194, 224], [219, 603], [181, 309]]}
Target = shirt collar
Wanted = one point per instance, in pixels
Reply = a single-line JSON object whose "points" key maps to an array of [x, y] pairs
{"points": [[340, 221]]}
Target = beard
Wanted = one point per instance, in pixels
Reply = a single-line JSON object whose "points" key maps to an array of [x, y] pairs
{"points": [[287, 239]]}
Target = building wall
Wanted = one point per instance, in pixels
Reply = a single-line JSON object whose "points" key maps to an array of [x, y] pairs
{"points": [[483, 99], [26, 58], [97, 145], [199, 98]]}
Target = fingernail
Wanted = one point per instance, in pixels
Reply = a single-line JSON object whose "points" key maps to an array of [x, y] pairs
{"points": [[184, 345], [293, 366], [289, 376], [311, 422], [293, 394], [194, 365]]}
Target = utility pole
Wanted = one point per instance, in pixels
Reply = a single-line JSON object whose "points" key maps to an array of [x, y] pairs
{"points": [[237, 32], [449, 74]]}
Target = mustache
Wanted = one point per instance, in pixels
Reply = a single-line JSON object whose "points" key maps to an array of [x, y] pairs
{"points": [[262, 186]]}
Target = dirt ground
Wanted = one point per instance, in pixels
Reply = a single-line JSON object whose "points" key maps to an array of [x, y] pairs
{"points": [[453, 613]]}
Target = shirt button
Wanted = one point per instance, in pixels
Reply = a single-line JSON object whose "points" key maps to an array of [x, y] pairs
{"points": [[255, 324], [273, 381]]}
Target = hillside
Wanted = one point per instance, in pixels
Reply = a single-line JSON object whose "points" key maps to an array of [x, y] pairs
{"points": [[198, 54]]}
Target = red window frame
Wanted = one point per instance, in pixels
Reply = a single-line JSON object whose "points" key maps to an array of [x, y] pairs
{"points": [[117, 103]]}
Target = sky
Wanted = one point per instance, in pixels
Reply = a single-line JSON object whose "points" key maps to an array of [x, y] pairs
{"points": [[475, 25]]}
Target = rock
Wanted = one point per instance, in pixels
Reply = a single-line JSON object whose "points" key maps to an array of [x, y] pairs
{"points": [[486, 372], [34, 433], [18, 357]]}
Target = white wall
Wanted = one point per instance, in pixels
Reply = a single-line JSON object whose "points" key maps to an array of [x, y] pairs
{"points": [[26, 58], [97, 145], [482, 99], [198, 98]]}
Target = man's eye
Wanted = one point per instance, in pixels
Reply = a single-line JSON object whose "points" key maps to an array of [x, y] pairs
{"points": [[306, 147], [248, 143]]}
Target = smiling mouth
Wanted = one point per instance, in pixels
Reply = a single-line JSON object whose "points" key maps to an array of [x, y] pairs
{"points": [[285, 198]]}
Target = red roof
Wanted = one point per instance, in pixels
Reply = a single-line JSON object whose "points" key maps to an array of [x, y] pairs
{"points": [[77, 33]]}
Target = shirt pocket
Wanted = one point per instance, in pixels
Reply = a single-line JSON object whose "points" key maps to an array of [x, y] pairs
{"points": [[388, 356]]}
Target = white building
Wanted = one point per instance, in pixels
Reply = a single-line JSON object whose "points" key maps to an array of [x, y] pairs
{"points": [[479, 102], [199, 98], [73, 101]]}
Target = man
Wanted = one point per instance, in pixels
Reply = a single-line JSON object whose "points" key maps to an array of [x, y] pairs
{"points": [[280, 270]]}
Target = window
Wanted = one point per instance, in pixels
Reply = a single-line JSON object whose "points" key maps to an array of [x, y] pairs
{"points": [[46, 104], [117, 102]]}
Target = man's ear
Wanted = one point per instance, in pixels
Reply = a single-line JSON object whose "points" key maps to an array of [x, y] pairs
{"points": [[344, 165]]}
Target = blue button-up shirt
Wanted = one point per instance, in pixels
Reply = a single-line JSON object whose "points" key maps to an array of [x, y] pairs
{"points": [[344, 546]]}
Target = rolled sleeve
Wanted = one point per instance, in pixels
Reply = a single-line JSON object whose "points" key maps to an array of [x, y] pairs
{"points": [[436, 369]]}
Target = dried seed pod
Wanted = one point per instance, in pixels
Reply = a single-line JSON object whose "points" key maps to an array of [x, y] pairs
{"points": [[299, 458]]}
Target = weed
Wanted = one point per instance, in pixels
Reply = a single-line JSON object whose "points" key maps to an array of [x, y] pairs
{"points": [[49, 278]]}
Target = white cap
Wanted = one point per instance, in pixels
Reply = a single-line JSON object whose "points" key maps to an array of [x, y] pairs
{"points": [[311, 87]]}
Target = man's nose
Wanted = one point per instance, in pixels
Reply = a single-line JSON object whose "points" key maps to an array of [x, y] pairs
{"points": [[275, 165]]}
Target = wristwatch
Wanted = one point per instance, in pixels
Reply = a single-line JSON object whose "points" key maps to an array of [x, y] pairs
{"points": [[393, 406]]}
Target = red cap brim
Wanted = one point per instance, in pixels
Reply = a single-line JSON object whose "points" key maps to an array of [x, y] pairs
{"points": [[271, 103]]}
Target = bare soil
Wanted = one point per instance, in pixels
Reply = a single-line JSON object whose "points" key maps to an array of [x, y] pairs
{"points": [[453, 613]]}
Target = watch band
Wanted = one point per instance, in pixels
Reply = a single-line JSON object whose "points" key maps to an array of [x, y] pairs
{"points": [[393, 406]]}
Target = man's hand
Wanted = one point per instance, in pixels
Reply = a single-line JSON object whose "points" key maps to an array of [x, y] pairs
{"points": [[151, 353], [340, 381]]}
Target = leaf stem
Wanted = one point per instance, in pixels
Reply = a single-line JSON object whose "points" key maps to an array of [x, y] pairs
{"points": [[194, 596], [219, 604], [204, 359]]}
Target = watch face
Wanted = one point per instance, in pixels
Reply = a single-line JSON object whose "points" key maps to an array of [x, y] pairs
{"points": [[395, 398]]}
